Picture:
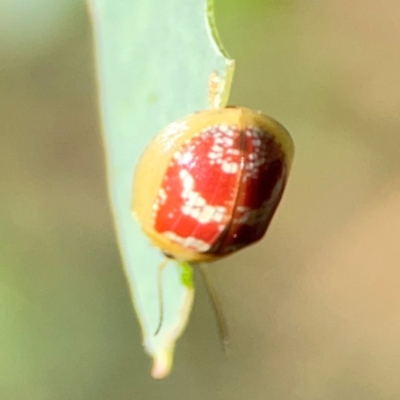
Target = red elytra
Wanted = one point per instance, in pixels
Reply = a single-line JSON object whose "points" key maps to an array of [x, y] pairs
{"points": [[208, 185]]}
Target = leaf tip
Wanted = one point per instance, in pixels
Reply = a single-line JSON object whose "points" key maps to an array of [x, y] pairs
{"points": [[162, 364]]}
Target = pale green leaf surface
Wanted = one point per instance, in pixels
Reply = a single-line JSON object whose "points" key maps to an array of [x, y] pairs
{"points": [[154, 60]]}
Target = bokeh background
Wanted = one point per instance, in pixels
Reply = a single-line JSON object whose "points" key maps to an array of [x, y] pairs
{"points": [[313, 310]]}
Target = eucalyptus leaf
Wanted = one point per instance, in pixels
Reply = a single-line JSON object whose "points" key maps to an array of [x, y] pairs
{"points": [[154, 61]]}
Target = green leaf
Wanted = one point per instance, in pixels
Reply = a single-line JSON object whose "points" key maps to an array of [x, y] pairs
{"points": [[154, 61]]}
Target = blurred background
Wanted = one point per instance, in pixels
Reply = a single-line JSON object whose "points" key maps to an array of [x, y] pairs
{"points": [[313, 310]]}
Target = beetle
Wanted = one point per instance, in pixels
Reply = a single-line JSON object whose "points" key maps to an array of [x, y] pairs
{"points": [[208, 185]]}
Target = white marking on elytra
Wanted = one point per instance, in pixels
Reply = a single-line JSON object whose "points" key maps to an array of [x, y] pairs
{"points": [[187, 182], [183, 158], [195, 205], [223, 153], [250, 165], [172, 132], [160, 200], [188, 242], [227, 141], [217, 149], [257, 157], [230, 167], [162, 194], [212, 155]]}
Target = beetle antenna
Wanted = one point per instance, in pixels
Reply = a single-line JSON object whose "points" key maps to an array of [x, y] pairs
{"points": [[216, 304], [160, 296]]}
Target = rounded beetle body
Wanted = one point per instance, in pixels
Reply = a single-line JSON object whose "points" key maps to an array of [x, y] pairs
{"points": [[208, 184]]}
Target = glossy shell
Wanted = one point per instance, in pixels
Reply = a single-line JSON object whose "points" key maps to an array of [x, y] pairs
{"points": [[208, 184]]}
